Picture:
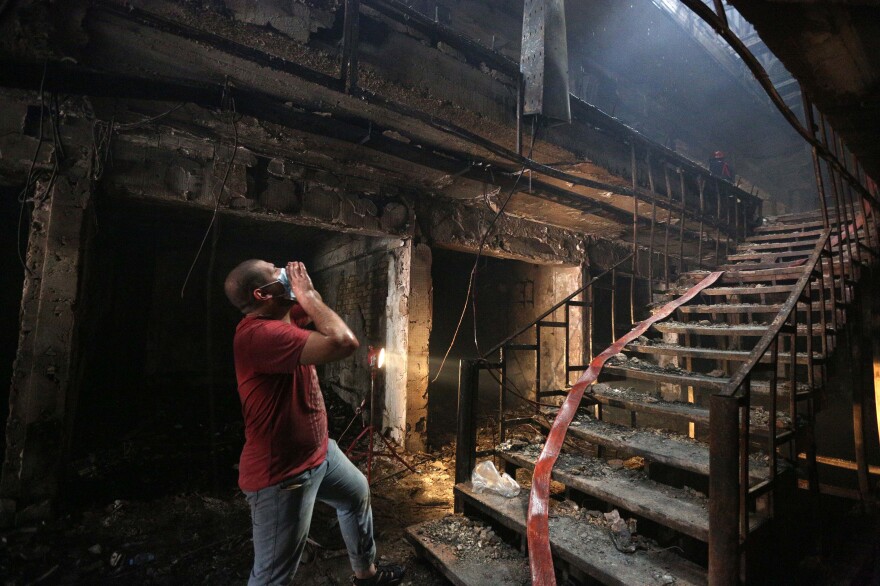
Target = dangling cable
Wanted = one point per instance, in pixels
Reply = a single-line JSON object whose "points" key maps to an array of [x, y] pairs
{"points": [[22, 197], [229, 100], [468, 296]]}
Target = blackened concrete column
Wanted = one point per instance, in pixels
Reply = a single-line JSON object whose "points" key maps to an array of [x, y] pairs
{"points": [[41, 378]]}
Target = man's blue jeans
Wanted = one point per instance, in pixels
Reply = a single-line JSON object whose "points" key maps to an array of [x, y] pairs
{"points": [[281, 516]]}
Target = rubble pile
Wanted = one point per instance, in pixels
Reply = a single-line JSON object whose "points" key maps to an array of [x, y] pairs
{"points": [[469, 538]]}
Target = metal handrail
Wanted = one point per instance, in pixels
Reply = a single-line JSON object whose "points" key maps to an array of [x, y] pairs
{"points": [[525, 328], [717, 22], [776, 325]]}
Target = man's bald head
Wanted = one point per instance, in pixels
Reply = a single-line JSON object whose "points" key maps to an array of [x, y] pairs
{"points": [[243, 279]]}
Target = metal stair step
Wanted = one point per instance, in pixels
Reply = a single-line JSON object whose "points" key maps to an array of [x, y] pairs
{"points": [[800, 226], [464, 567], [660, 375], [728, 330], [631, 490], [757, 266], [663, 447], [759, 276], [744, 247], [759, 289], [631, 400], [740, 308], [769, 256], [714, 353], [586, 546], [787, 236]]}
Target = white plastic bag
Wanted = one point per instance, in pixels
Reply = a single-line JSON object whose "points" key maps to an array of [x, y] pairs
{"points": [[485, 478]]}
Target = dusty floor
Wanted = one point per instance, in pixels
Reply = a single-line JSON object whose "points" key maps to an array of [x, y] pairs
{"points": [[194, 538]]}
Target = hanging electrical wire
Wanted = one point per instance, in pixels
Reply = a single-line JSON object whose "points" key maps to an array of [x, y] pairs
{"points": [[22, 197], [471, 292], [227, 104]]}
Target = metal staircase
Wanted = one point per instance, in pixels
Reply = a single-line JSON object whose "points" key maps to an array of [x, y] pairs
{"points": [[729, 383]]}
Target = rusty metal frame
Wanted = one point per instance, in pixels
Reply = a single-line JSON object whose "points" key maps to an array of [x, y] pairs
{"points": [[729, 428], [537, 529]]}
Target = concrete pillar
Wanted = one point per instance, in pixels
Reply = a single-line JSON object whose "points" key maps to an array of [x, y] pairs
{"points": [[41, 378], [421, 300], [397, 341]]}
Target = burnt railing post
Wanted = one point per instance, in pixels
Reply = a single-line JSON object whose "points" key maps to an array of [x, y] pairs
{"points": [[466, 436], [724, 491]]}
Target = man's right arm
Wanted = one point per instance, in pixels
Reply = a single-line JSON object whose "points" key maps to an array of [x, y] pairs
{"points": [[333, 339]]}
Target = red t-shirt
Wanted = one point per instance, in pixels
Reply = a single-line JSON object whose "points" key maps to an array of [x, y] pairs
{"points": [[285, 422]]}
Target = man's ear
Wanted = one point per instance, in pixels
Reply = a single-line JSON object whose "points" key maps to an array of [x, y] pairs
{"points": [[261, 296]]}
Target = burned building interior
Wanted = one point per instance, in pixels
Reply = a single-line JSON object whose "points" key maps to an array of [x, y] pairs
{"points": [[625, 251]]}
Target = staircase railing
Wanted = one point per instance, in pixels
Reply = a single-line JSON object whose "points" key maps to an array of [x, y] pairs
{"points": [[469, 371], [730, 488]]}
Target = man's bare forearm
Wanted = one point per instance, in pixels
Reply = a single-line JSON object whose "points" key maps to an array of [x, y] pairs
{"points": [[326, 320]]}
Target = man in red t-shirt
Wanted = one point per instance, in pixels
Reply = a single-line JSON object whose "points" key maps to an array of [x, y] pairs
{"points": [[287, 462]]}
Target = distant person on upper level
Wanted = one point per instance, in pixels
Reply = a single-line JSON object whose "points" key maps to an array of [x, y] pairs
{"points": [[719, 167]]}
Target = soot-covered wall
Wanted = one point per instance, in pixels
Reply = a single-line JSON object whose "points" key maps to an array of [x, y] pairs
{"points": [[158, 409], [509, 295]]}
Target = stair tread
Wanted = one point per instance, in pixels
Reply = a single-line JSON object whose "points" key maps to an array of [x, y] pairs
{"points": [[666, 375], [682, 510], [790, 236], [778, 246], [664, 349], [761, 255], [654, 445], [643, 403], [791, 227], [746, 307], [587, 546], [470, 566], [722, 329], [758, 276], [758, 266]]}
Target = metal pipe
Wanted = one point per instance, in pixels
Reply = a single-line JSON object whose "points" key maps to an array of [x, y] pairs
{"points": [[841, 202], [466, 430], [681, 269], [502, 387], [848, 195], [668, 221], [840, 220], [613, 305], [718, 220], [635, 261], [701, 185], [745, 420], [653, 224], [724, 551]]}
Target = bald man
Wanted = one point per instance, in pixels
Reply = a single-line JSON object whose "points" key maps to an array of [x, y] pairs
{"points": [[288, 462]]}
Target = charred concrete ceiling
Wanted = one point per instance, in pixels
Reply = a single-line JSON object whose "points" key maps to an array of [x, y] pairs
{"points": [[833, 49], [184, 90]]}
